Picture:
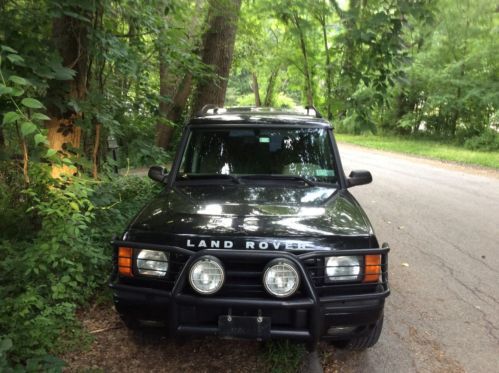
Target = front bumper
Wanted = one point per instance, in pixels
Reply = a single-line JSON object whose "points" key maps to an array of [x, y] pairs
{"points": [[307, 317]]}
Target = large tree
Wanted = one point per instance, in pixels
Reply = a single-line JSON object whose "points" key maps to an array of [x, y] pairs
{"points": [[70, 35], [175, 76], [218, 48]]}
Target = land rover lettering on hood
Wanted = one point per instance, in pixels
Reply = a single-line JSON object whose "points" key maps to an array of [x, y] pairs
{"points": [[254, 235]]}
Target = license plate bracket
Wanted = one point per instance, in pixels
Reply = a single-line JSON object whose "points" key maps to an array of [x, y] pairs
{"points": [[251, 327]]}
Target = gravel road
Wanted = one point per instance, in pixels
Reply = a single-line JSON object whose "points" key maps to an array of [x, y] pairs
{"points": [[442, 224]]}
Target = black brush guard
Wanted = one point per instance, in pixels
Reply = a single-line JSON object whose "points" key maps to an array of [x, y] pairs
{"points": [[180, 293]]}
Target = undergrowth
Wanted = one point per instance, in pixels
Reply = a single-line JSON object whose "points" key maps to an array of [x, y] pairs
{"points": [[55, 254], [283, 356]]}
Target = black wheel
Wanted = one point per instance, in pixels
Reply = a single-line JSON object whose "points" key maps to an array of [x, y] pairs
{"points": [[143, 334], [130, 321], [369, 339]]}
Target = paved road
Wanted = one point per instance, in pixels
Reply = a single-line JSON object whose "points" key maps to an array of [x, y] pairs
{"points": [[443, 227]]}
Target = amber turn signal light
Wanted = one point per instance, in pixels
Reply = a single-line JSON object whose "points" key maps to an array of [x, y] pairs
{"points": [[125, 261], [372, 268]]}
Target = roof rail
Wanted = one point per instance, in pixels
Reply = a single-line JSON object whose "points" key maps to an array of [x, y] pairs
{"points": [[311, 107], [205, 108]]}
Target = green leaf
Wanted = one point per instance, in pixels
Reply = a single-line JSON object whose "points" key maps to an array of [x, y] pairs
{"points": [[11, 117], [76, 16], [74, 206], [27, 128], [63, 73], [7, 49], [32, 103], [40, 116], [4, 90], [5, 345], [50, 153], [16, 59], [39, 139], [18, 80], [16, 91]]}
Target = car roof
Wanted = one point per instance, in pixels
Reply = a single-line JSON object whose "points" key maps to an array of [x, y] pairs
{"points": [[259, 116]]}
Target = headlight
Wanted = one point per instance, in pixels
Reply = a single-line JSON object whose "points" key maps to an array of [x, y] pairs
{"points": [[207, 275], [342, 268], [152, 263], [281, 278]]}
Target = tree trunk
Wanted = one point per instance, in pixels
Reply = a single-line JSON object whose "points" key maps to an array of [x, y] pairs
{"points": [[269, 94], [95, 151], [178, 90], [166, 89], [180, 99], [348, 18], [306, 69], [328, 70], [2, 138], [176, 109], [70, 37], [256, 90], [218, 47]]}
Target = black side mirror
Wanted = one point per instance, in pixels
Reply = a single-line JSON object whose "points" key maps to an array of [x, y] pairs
{"points": [[158, 173], [359, 177]]}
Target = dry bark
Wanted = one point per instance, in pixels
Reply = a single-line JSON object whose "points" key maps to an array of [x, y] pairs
{"points": [[218, 48], [269, 94], [256, 89], [95, 152], [70, 38], [306, 67], [166, 88], [179, 89]]}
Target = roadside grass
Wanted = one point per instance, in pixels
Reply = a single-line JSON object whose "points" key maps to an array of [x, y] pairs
{"points": [[284, 356], [426, 148]]}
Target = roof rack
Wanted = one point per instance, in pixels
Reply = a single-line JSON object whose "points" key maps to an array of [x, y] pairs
{"points": [[206, 108], [311, 107]]}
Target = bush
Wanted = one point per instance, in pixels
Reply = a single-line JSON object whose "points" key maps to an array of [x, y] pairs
{"points": [[488, 141], [45, 277]]}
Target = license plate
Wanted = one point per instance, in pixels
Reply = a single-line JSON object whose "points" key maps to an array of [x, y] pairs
{"points": [[244, 327]]}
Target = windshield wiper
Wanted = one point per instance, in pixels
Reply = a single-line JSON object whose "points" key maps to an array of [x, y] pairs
{"points": [[279, 177], [210, 176]]}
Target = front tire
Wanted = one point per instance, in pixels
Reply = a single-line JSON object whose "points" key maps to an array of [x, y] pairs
{"points": [[364, 341]]}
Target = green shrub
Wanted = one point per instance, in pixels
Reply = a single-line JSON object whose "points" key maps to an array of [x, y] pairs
{"points": [[46, 276], [488, 140]]}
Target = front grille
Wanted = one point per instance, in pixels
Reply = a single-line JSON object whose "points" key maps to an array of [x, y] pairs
{"points": [[244, 273], [243, 278]]}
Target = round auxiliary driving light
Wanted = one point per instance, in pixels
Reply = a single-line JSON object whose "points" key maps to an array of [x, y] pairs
{"points": [[281, 278], [207, 275]]}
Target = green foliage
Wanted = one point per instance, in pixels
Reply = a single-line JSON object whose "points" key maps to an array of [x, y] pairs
{"points": [[46, 363], [488, 140], [20, 117], [450, 89], [284, 356], [45, 276]]}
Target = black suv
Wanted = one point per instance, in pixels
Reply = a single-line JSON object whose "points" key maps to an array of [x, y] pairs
{"points": [[255, 235]]}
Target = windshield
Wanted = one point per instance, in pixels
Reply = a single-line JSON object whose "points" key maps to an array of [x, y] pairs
{"points": [[303, 152]]}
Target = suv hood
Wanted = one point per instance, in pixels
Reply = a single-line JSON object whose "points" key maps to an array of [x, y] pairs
{"points": [[250, 211]]}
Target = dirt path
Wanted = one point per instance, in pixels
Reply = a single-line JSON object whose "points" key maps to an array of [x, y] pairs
{"points": [[116, 349]]}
